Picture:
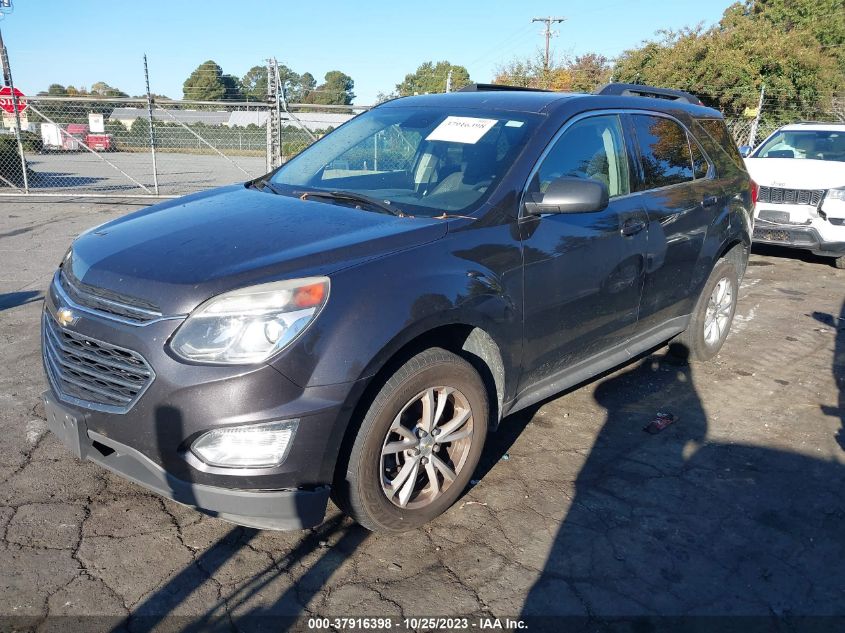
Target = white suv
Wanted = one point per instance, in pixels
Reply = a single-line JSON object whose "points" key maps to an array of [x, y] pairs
{"points": [[800, 172]]}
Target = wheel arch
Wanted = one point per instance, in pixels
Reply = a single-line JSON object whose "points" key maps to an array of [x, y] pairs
{"points": [[735, 250], [470, 341]]}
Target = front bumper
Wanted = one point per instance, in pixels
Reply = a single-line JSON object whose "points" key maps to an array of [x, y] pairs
{"points": [[150, 442], [264, 509], [803, 237], [800, 226]]}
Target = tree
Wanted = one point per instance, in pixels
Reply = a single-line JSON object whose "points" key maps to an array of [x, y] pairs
{"points": [[431, 78], [291, 82], [726, 64], [102, 89], [56, 90], [254, 83], [588, 72], [335, 90], [208, 83], [581, 74], [233, 88], [307, 83]]}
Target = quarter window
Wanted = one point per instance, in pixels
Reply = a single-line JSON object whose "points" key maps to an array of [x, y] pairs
{"points": [[664, 151], [593, 148], [700, 166]]}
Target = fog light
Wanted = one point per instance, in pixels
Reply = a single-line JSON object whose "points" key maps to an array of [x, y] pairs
{"points": [[251, 446]]}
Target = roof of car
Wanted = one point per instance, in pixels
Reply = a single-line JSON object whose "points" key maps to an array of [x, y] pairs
{"points": [[814, 126], [541, 102]]}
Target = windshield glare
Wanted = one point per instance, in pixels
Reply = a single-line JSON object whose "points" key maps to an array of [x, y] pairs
{"points": [[423, 160], [812, 144]]}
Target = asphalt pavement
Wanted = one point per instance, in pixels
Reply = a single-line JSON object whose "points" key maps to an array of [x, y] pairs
{"points": [[735, 509]]}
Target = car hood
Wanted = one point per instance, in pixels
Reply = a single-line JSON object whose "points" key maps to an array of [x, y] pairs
{"points": [[177, 254], [796, 173]]}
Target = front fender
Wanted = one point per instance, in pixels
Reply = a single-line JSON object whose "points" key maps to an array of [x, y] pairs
{"points": [[380, 306]]}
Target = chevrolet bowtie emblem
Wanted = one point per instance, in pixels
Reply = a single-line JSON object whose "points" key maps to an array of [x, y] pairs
{"points": [[66, 317]]}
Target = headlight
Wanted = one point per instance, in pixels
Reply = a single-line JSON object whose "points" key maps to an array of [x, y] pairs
{"points": [[835, 194], [251, 324], [252, 446]]}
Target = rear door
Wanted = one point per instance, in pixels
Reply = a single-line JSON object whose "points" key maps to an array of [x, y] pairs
{"points": [[681, 197], [583, 271]]}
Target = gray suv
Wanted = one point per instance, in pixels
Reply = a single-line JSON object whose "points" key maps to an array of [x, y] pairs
{"points": [[356, 322]]}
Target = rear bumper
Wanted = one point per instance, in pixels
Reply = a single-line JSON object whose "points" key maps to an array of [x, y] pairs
{"points": [[803, 237], [288, 509]]}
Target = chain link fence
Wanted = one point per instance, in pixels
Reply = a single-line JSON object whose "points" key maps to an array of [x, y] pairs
{"points": [[774, 112], [112, 147]]}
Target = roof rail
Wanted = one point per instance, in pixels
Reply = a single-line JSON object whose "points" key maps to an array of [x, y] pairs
{"points": [[637, 90], [497, 87]]}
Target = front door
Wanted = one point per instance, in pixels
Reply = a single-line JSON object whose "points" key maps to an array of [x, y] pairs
{"points": [[583, 271]]}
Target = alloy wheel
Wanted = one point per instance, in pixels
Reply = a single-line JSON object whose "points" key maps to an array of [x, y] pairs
{"points": [[426, 447], [719, 307]]}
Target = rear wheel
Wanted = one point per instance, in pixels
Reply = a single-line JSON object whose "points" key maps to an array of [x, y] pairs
{"points": [[418, 444], [839, 262], [712, 316]]}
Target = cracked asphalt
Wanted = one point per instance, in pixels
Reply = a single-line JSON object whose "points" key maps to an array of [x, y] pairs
{"points": [[736, 509]]}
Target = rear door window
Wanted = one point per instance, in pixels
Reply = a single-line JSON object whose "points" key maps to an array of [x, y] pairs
{"points": [[664, 151]]}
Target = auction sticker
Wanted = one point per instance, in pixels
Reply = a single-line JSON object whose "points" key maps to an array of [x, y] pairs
{"points": [[461, 129]]}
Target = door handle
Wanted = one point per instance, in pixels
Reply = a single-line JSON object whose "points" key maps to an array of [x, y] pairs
{"points": [[710, 201], [632, 226]]}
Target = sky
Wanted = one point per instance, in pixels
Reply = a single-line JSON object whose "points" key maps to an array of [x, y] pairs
{"points": [[376, 42]]}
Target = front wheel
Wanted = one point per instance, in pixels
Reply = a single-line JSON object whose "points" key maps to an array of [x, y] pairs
{"points": [[839, 262], [712, 316], [418, 444]]}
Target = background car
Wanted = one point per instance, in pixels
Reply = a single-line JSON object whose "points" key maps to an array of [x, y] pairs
{"points": [[800, 171]]}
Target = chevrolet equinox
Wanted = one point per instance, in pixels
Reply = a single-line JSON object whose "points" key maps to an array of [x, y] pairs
{"points": [[354, 323]]}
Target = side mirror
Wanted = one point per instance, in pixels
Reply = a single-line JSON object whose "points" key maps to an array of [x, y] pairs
{"points": [[745, 150], [568, 195]]}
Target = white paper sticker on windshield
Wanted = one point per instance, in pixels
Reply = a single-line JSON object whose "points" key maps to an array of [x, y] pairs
{"points": [[514, 123], [461, 129]]}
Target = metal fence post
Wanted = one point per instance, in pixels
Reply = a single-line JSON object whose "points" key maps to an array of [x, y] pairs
{"points": [[752, 134], [152, 128], [7, 78]]}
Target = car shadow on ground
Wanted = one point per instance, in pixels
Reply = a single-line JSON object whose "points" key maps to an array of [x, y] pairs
{"points": [[662, 528], [326, 547], [838, 324], [679, 525], [14, 299], [784, 252]]}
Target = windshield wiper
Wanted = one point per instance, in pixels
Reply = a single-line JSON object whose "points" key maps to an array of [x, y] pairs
{"points": [[351, 196], [263, 184]]}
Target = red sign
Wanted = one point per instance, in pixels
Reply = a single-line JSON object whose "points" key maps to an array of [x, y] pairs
{"points": [[6, 102]]}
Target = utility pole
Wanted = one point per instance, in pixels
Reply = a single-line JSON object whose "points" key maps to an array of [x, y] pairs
{"points": [[449, 81], [7, 81], [152, 128], [548, 21]]}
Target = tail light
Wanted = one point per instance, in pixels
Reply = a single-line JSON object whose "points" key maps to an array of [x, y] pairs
{"points": [[755, 189]]}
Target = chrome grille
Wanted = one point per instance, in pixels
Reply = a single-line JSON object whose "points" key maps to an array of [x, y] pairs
{"points": [[92, 373], [776, 195], [105, 301]]}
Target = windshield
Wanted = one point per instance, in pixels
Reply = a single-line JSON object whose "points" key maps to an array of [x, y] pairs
{"points": [[812, 144], [422, 160]]}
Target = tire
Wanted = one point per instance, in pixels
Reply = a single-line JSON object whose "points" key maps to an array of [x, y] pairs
{"points": [[700, 341], [432, 378], [839, 262]]}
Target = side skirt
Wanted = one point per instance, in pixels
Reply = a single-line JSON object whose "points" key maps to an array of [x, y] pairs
{"points": [[595, 365]]}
